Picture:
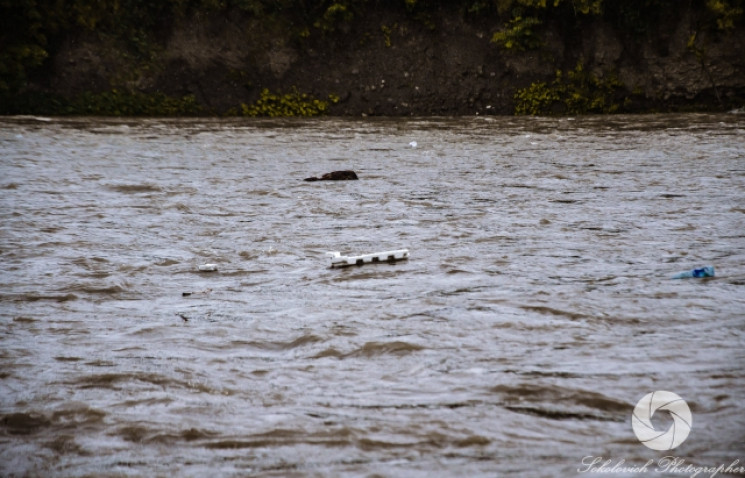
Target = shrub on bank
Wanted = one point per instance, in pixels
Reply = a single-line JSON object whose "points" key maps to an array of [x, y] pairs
{"points": [[573, 92], [293, 103], [108, 103]]}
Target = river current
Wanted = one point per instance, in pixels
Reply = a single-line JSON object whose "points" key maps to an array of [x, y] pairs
{"points": [[536, 309]]}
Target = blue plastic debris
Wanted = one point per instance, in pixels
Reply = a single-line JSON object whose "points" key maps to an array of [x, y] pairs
{"points": [[707, 271]]}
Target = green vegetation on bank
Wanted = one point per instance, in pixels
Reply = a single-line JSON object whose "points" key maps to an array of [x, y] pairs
{"points": [[519, 35], [574, 92], [522, 30], [108, 103], [293, 103], [33, 31]]}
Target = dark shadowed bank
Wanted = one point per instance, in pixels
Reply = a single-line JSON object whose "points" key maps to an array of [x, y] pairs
{"points": [[366, 57]]}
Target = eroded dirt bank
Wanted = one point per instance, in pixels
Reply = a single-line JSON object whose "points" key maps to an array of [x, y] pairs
{"points": [[390, 62]]}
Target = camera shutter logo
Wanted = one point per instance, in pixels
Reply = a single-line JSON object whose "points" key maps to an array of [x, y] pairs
{"points": [[661, 439]]}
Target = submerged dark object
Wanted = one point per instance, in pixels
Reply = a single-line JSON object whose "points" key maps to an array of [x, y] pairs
{"points": [[336, 176]]}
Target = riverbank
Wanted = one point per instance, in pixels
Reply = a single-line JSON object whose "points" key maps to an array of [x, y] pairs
{"points": [[417, 58]]}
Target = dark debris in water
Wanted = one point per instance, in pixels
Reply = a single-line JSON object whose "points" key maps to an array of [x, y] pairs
{"points": [[346, 175], [563, 415], [372, 349], [24, 423]]}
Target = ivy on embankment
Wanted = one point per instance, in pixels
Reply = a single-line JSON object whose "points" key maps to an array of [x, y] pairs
{"points": [[292, 103], [526, 20], [574, 92], [32, 33], [108, 103], [132, 103]]}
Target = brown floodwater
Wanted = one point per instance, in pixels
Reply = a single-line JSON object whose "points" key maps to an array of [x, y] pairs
{"points": [[536, 309]]}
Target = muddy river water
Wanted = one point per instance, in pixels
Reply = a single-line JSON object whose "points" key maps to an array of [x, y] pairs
{"points": [[536, 308]]}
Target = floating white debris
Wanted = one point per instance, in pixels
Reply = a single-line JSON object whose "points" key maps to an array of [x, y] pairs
{"points": [[208, 268], [337, 260], [413, 144]]}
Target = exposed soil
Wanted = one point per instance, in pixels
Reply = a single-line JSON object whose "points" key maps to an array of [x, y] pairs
{"points": [[393, 64]]}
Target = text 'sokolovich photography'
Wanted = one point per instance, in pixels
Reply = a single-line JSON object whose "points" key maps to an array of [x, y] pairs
{"points": [[667, 465]]}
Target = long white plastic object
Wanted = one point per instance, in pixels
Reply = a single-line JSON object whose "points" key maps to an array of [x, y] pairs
{"points": [[337, 260]]}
